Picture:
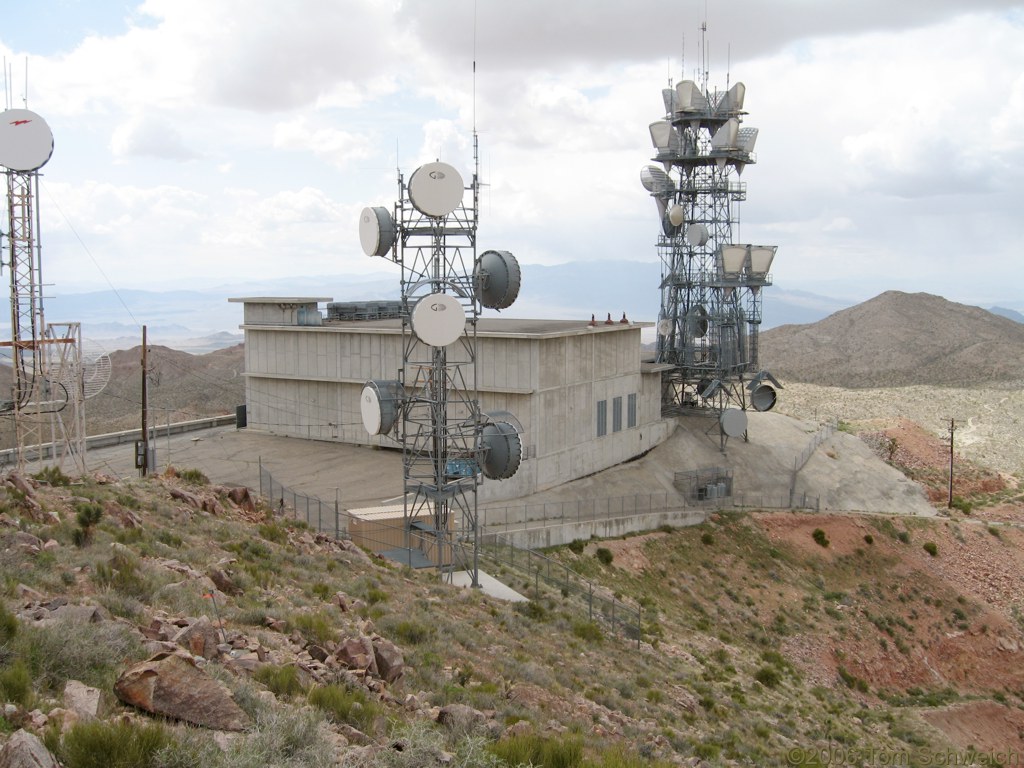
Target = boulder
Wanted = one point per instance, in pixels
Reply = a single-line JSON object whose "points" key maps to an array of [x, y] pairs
{"points": [[357, 653], [224, 582], [172, 685], [460, 717], [81, 699], [199, 638], [25, 750], [390, 664]]}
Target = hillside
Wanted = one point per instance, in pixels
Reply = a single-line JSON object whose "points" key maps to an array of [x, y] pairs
{"points": [[767, 639], [898, 339]]}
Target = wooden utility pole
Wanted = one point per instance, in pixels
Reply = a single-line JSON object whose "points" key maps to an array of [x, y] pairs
{"points": [[144, 466], [952, 429]]}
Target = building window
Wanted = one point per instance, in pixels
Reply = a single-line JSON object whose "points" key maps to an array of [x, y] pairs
{"points": [[631, 411], [617, 414], [602, 418]]}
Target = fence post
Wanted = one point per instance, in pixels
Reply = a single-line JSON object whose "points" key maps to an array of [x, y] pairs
{"points": [[259, 463]]}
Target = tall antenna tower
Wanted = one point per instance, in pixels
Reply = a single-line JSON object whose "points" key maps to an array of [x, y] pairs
{"points": [[448, 445], [711, 286], [26, 144]]}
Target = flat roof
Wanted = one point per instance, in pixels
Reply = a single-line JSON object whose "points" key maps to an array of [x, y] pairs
{"points": [[279, 299], [504, 327]]}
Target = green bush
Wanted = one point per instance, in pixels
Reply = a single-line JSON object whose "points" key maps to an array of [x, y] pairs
{"points": [[16, 684], [344, 705], [931, 548], [8, 624], [193, 477], [707, 539], [576, 545], [52, 476], [903, 536], [604, 555], [87, 515], [869, 539], [113, 745], [122, 574], [91, 652], [314, 626], [546, 751], [280, 680], [412, 632], [820, 538], [962, 504], [769, 677], [588, 630]]}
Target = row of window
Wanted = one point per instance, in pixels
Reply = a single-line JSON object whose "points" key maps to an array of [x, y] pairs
{"points": [[602, 414]]}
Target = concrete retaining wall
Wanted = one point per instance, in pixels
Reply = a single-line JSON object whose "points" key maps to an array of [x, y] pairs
{"points": [[556, 535]]}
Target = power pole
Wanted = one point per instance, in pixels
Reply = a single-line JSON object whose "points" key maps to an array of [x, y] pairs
{"points": [[952, 429], [144, 466]]}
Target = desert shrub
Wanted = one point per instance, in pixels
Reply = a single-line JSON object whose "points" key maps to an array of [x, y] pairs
{"points": [[532, 609], [412, 632], [587, 630], [769, 677], [113, 745], [903, 536], [376, 595], [820, 538], [994, 531], [193, 477], [91, 652], [869, 539], [314, 626], [604, 555], [534, 749], [281, 737], [273, 532], [577, 545], [169, 539], [345, 705], [280, 680], [128, 500], [962, 504], [931, 548], [122, 574], [87, 515], [707, 539], [52, 476], [8, 624], [852, 681], [16, 683]]}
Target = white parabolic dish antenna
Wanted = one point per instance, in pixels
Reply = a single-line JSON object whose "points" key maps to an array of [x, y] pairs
{"points": [[435, 189], [438, 319], [26, 142], [376, 231], [664, 326], [380, 405], [733, 422], [697, 235]]}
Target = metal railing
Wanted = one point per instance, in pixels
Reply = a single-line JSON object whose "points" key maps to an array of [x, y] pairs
{"points": [[514, 517], [824, 433], [622, 618]]}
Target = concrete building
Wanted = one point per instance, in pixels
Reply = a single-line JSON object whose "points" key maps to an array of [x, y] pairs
{"points": [[580, 391]]}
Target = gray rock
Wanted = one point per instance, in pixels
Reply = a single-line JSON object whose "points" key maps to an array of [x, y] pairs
{"points": [[82, 699], [25, 750]]}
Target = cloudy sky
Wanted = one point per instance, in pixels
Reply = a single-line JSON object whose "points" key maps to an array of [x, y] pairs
{"points": [[220, 141]]}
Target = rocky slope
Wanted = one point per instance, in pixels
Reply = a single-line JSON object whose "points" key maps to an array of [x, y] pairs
{"points": [[764, 639]]}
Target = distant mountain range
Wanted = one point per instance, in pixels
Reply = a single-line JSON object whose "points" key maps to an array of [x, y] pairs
{"points": [[202, 320]]}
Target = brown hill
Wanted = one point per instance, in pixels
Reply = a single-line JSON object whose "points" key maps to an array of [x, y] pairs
{"points": [[181, 387], [898, 339]]}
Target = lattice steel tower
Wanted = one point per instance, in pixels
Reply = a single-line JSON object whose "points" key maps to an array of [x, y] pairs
{"points": [[711, 286], [448, 444]]}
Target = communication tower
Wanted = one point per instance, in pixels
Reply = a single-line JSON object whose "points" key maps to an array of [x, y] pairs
{"points": [[50, 377], [711, 286], [448, 444]]}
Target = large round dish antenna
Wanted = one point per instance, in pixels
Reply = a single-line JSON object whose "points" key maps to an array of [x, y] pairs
{"points": [[438, 319], [697, 322], [497, 278], [733, 422], [656, 181], [436, 189], [26, 141], [763, 397], [677, 215], [664, 327], [95, 374], [502, 450], [380, 405], [376, 231], [697, 235]]}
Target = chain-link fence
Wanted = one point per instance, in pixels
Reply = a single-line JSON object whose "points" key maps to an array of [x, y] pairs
{"points": [[322, 516], [623, 619]]}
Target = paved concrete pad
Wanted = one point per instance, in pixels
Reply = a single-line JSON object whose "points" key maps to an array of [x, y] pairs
{"points": [[490, 586]]}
